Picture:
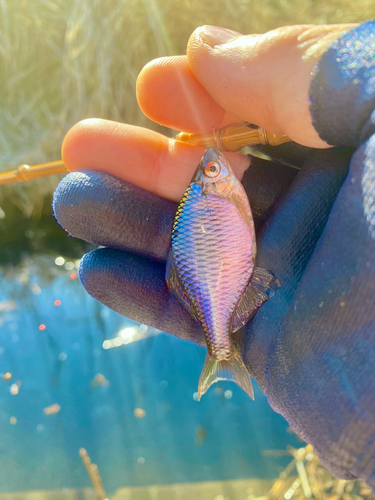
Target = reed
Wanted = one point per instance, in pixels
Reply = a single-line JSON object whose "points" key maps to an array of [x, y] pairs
{"points": [[93, 473], [65, 60]]}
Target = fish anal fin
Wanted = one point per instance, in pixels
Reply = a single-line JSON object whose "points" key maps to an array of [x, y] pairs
{"points": [[175, 285], [263, 285], [233, 369]]}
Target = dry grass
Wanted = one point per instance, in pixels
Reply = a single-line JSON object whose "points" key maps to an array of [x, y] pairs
{"points": [[65, 60]]}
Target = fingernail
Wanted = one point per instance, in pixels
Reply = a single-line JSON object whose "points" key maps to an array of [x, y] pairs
{"points": [[213, 35]]}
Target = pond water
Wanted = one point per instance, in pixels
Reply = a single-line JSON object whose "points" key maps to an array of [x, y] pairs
{"points": [[75, 374]]}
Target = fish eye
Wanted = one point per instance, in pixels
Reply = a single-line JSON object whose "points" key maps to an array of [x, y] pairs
{"points": [[212, 169]]}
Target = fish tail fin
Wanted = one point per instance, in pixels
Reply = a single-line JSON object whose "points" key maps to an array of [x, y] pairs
{"points": [[233, 369]]}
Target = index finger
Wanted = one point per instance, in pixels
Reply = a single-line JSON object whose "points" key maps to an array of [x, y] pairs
{"points": [[143, 157]]}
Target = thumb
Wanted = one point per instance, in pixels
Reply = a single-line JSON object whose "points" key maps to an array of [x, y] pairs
{"points": [[263, 79]]}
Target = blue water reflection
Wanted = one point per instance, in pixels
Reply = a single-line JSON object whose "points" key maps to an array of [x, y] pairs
{"points": [[177, 440]]}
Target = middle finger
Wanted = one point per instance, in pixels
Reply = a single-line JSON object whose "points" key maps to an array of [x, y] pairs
{"points": [[169, 94]]}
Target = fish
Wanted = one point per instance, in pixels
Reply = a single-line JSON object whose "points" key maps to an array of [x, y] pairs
{"points": [[139, 412], [200, 435], [52, 410], [211, 266], [99, 381]]}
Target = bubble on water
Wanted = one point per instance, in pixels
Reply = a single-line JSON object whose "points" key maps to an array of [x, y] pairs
{"points": [[104, 312], [228, 394], [106, 344], [14, 389], [59, 261], [127, 333]]}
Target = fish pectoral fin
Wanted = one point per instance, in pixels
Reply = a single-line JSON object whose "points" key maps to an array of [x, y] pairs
{"points": [[233, 369], [175, 285], [263, 285]]}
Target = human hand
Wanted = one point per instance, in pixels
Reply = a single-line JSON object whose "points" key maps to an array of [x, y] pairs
{"points": [[311, 347]]}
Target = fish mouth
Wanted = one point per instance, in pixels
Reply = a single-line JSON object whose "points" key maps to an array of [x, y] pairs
{"points": [[212, 154]]}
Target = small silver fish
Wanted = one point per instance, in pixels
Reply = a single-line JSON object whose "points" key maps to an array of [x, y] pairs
{"points": [[211, 269]]}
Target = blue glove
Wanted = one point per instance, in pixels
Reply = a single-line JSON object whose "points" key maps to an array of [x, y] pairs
{"points": [[311, 348]]}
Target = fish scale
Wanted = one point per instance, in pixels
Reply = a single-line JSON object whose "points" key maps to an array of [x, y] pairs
{"points": [[210, 266], [208, 230]]}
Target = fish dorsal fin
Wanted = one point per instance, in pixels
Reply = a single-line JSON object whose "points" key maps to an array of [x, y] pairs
{"points": [[175, 285], [263, 285], [233, 369]]}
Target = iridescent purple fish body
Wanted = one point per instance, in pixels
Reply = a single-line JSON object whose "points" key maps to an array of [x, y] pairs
{"points": [[211, 266]]}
